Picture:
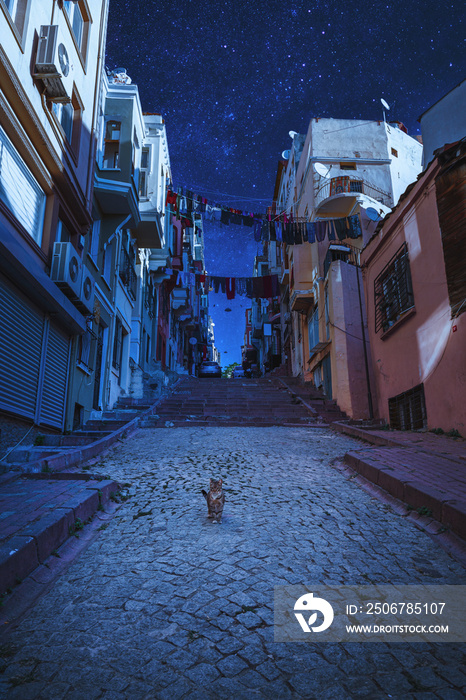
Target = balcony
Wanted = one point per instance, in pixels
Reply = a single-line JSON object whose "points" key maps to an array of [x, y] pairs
{"points": [[285, 277], [345, 253], [302, 300], [337, 196], [127, 273]]}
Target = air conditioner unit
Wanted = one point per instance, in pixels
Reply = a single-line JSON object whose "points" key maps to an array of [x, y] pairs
{"points": [[53, 65], [67, 269], [86, 298]]}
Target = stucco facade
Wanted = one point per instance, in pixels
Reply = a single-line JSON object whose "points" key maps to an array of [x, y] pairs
{"points": [[419, 343]]}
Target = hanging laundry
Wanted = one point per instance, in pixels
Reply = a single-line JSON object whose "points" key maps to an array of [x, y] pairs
{"points": [[355, 226], [311, 231], [236, 218], [331, 231], [341, 228], [248, 221], [241, 287], [171, 198], [278, 231], [298, 235], [258, 287], [257, 230], [223, 284], [267, 286], [249, 287], [189, 197], [216, 284], [320, 230], [275, 285], [230, 287], [225, 217], [265, 233]]}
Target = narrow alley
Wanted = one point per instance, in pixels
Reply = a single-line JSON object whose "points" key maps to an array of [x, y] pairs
{"points": [[165, 604]]}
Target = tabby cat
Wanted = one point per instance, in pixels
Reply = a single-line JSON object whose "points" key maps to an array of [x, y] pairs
{"points": [[215, 500]]}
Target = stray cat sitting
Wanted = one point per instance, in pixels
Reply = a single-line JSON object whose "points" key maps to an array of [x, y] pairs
{"points": [[215, 500]]}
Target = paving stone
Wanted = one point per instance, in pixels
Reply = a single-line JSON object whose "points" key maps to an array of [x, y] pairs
{"points": [[231, 665], [202, 674], [132, 612]]}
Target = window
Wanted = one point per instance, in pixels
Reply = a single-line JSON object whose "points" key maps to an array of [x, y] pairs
{"points": [[107, 264], [394, 152], [313, 327], [79, 21], [356, 186], [393, 290], [127, 268], [20, 192], [347, 166], [117, 345], [68, 116], [144, 171], [94, 240], [16, 12], [84, 348], [111, 154], [407, 411], [64, 115]]}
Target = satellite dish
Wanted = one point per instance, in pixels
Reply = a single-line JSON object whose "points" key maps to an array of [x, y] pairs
{"points": [[292, 134], [372, 213], [384, 104], [286, 154], [321, 169]]}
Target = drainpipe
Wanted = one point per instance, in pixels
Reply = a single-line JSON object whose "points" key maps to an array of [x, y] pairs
{"points": [[366, 362]]}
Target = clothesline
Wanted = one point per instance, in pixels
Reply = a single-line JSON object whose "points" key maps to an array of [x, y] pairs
{"points": [[261, 287], [266, 227]]}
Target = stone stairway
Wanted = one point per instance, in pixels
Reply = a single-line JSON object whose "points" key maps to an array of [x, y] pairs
{"points": [[327, 409], [230, 402], [24, 457]]}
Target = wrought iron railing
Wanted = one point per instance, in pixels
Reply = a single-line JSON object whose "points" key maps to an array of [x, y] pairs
{"points": [[347, 185], [128, 273], [346, 253]]}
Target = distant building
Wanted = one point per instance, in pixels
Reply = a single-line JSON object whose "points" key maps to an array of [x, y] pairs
{"points": [[340, 168]]}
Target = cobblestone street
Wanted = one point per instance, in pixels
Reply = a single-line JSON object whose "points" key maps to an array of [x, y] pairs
{"points": [[165, 604]]}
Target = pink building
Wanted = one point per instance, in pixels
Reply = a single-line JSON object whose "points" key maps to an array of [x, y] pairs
{"points": [[415, 287]]}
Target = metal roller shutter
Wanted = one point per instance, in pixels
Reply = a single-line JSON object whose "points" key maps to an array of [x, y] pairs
{"points": [[54, 387], [21, 336]]}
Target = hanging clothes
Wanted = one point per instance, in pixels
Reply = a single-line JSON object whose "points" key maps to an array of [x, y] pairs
{"points": [[355, 226], [267, 280], [249, 287], [331, 231], [278, 231], [320, 230], [341, 228], [258, 287], [225, 217], [216, 284], [223, 284], [248, 221], [230, 287], [257, 230], [236, 218], [265, 233], [311, 231], [275, 285]]}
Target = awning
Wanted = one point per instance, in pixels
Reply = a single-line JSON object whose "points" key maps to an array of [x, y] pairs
{"points": [[302, 299]]}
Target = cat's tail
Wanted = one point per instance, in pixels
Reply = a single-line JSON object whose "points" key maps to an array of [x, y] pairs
{"points": [[204, 493]]}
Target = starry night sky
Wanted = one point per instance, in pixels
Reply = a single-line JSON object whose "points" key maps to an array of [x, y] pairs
{"points": [[231, 79]]}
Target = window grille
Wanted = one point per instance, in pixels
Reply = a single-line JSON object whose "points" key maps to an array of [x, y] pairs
{"points": [[407, 411], [393, 291]]}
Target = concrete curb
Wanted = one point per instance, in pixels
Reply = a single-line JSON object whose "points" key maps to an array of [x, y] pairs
{"points": [[32, 545], [416, 494]]}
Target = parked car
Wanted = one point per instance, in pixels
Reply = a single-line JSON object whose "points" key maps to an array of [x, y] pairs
{"points": [[238, 372], [209, 369]]}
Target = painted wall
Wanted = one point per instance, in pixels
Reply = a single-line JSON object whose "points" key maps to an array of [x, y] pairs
{"points": [[422, 348]]}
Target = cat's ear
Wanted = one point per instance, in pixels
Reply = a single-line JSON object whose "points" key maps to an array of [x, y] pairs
{"points": [[220, 482]]}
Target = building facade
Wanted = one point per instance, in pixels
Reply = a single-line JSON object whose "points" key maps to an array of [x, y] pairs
{"points": [[415, 288], [50, 76], [340, 169]]}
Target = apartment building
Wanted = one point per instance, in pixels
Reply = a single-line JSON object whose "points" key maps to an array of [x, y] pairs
{"points": [[51, 59], [339, 169]]}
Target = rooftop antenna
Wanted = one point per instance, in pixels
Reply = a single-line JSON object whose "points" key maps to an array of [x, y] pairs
{"points": [[386, 106]]}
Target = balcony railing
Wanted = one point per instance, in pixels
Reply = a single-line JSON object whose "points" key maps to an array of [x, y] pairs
{"points": [[347, 186], [346, 253]]}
